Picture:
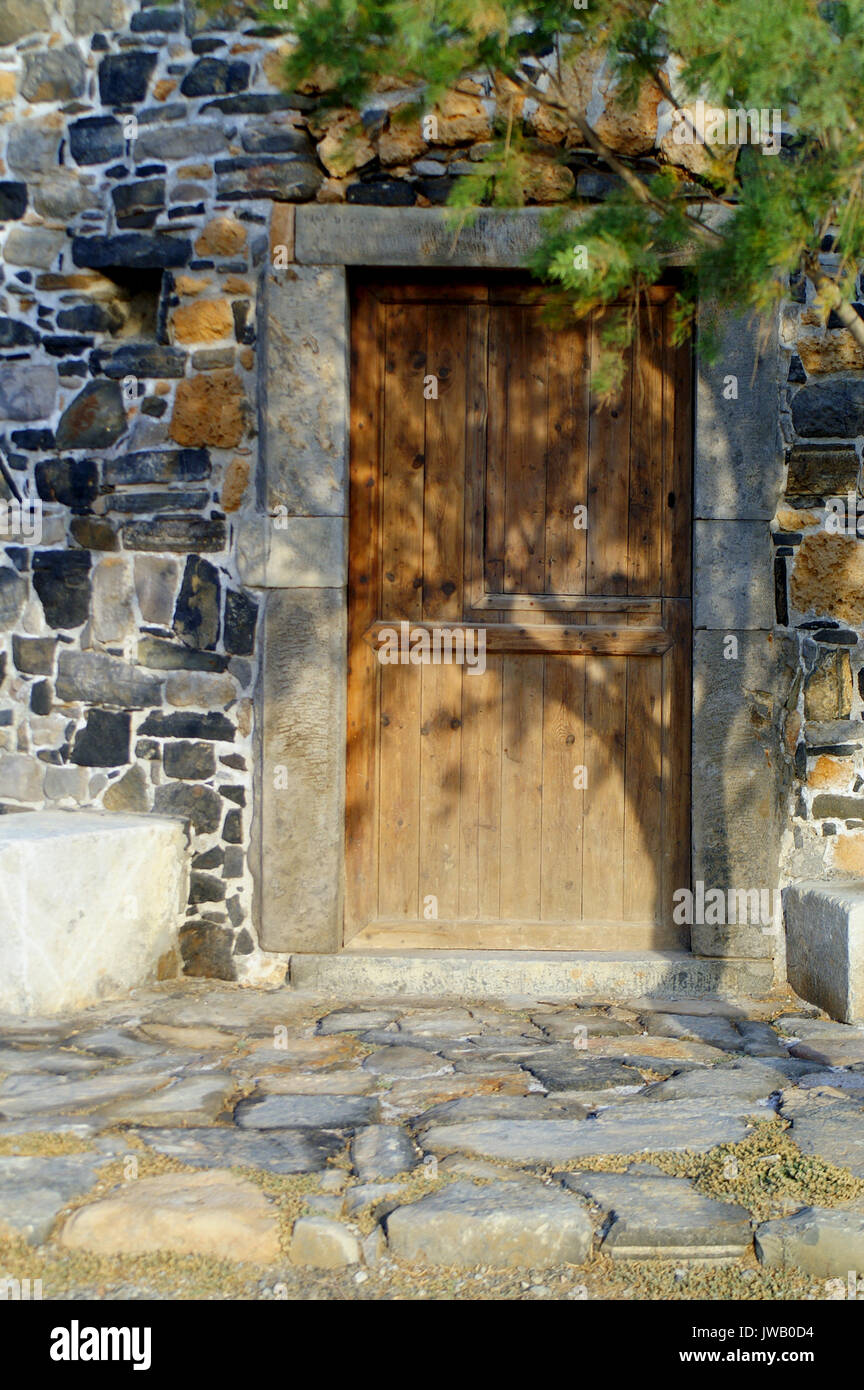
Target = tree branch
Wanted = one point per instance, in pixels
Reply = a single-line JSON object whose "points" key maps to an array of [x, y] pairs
{"points": [[829, 292]]}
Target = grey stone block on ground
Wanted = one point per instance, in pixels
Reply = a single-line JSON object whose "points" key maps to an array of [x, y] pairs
{"points": [[499, 1224], [663, 1218], [33, 1191], [306, 1112], [823, 1241]]}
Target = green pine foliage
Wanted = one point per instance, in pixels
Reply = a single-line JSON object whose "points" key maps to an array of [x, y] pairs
{"points": [[740, 228]]}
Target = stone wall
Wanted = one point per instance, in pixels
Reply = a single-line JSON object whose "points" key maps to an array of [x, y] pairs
{"points": [[148, 158], [149, 164], [819, 573]]}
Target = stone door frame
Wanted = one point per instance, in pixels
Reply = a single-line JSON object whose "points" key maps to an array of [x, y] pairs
{"points": [[294, 549]]}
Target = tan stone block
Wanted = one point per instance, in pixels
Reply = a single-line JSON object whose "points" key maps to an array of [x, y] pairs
{"points": [[273, 65], [188, 285], [204, 321], [788, 519], [403, 140], [210, 411], [163, 88], [831, 774], [236, 284], [194, 171], [828, 577], [246, 356], [113, 615], [244, 717], [828, 688], [7, 86], [847, 853], [319, 1243], [836, 351], [213, 1213], [332, 191], [698, 158], [548, 181], [236, 478], [282, 233], [345, 147], [224, 236], [462, 118]]}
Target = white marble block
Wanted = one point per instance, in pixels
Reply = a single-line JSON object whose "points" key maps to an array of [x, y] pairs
{"points": [[89, 903]]}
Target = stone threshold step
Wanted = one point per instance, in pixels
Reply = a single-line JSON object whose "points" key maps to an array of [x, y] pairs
{"points": [[535, 974]]}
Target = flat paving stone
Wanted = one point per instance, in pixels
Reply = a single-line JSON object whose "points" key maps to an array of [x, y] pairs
{"points": [[193, 1100], [823, 1241], [663, 1218], [215, 1213], [803, 1027], [639, 1127], [382, 1151], [850, 1081], [439, 1023], [563, 1068], [371, 1194], [192, 1037], [507, 1047], [833, 1132], [500, 1224], [115, 1044], [265, 1055], [306, 1112], [656, 1053], [842, 1053], [405, 1061], [250, 1013], [760, 1039], [557, 1106], [353, 1020], [569, 1023], [704, 1007], [408, 1098], [62, 1095], [319, 1242], [318, 1083], [743, 1083], [716, 1032], [281, 1151], [33, 1191], [18, 1061]]}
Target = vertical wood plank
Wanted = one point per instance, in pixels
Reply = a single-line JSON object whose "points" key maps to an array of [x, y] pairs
{"points": [[608, 486], [361, 800], [521, 786], [563, 801], [678, 467], [525, 499], [675, 861], [644, 785], [647, 504], [495, 488], [603, 866], [402, 469], [568, 352], [443, 560], [478, 694]]}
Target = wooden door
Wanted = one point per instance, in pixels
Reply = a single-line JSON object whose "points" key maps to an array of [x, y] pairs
{"points": [[543, 804]]}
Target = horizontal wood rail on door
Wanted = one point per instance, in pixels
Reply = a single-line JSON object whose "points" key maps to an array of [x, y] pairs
{"points": [[557, 637]]}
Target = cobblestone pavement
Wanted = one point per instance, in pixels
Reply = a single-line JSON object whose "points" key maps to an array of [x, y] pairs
{"points": [[201, 1140]]}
